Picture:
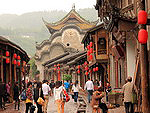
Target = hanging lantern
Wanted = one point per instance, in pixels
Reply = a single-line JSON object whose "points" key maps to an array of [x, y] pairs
{"points": [[58, 67], [18, 63], [143, 36], [58, 72], [86, 68], [91, 44], [54, 65], [7, 53], [15, 55], [142, 17], [88, 53], [96, 68], [88, 47], [78, 71], [91, 50], [91, 57], [85, 63], [15, 62], [7, 60], [90, 71], [18, 57], [78, 66], [86, 73], [54, 69]]}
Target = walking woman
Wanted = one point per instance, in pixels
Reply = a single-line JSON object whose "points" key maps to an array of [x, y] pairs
{"points": [[29, 95], [38, 93], [16, 95], [58, 95], [76, 89]]}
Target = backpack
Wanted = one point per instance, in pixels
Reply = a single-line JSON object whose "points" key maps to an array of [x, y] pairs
{"points": [[66, 97], [23, 95]]}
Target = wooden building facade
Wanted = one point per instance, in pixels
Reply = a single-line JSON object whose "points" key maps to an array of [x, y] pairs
{"points": [[13, 61]]}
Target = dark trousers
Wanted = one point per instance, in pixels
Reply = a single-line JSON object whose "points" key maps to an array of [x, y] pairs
{"points": [[75, 96], [28, 107], [17, 101], [129, 107], [39, 110], [2, 101]]}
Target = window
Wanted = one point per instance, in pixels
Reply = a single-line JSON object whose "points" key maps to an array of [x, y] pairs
{"points": [[102, 46]]}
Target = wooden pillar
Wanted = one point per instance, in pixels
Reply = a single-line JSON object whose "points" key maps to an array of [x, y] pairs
{"points": [[2, 74], [116, 69]]}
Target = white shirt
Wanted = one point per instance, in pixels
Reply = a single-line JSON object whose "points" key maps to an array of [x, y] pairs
{"points": [[76, 88], [58, 94], [46, 89], [89, 85]]}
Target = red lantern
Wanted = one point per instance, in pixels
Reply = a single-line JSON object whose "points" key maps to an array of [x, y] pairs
{"points": [[78, 71], [15, 55], [88, 47], [78, 66], [96, 68], [54, 65], [85, 63], [86, 68], [142, 17], [91, 44], [86, 73], [7, 60], [18, 57], [58, 72], [91, 57], [15, 62], [143, 36], [90, 71], [54, 69], [18, 63], [91, 50], [7, 53], [88, 53], [58, 65]]}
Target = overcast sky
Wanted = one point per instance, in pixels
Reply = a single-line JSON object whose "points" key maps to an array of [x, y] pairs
{"points": [[23, 6]]}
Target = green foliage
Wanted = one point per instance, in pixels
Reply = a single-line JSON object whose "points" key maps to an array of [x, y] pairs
{"points": [[67, 77]]}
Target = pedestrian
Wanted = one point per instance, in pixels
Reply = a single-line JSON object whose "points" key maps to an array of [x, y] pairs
{"points": [[58, 95], [29, 94], [108, 89], [96, 84], [96, 97], [3, 92], [67, 85], [76, 87], [52, 85], [46, 91], [38, 93], [16, 95], [89, 87], [128, 90], [8, 91]]}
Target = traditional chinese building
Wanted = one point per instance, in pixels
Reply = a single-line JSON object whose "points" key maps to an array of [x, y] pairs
{"points": [[65, 40], [13, 61], [120, 21]]}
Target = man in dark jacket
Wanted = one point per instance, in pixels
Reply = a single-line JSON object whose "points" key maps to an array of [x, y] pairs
{"points": [[16, 95], [2, 93]]}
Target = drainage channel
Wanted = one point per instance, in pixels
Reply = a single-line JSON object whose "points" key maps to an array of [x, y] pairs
{"points": [[81, 105]]}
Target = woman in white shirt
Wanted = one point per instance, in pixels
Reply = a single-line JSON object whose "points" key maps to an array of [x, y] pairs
{"points": [[76, 89], [58, 95]]}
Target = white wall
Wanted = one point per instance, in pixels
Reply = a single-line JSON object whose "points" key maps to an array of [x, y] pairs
{"points": [[131, 56]]}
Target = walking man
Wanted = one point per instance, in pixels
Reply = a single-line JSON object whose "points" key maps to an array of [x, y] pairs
{"points": [[128, 90], [89, 87], [46, 90]]}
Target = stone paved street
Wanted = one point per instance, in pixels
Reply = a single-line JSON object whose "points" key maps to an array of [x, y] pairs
{"points": [[70, 107]]}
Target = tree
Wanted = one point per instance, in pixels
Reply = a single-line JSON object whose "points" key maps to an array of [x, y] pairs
{"points": [[67, 77]]}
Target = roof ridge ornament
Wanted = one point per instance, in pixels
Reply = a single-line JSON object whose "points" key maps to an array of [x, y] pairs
{"points": [[73, 6]]}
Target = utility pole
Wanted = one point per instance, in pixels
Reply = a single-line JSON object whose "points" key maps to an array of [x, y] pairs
{"points": [[144, 68]]}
